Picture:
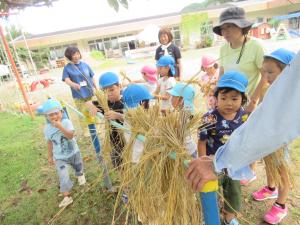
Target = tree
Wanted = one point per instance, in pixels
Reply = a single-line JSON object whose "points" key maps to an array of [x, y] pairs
{"points": [[194, 7], [116, 4], [6, 5]]}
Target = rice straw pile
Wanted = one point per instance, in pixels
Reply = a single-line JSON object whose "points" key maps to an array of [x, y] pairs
{"points": [[156, 188], [277, 163]]}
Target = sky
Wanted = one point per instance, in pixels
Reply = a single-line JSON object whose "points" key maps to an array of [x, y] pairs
{"points": [[67, 14]]}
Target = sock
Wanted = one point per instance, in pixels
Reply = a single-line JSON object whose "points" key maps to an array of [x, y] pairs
{"points": [[280, 205], [271, 188]]}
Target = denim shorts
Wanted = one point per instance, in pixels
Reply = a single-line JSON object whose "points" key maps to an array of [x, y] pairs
{"points": [[76, 163]]}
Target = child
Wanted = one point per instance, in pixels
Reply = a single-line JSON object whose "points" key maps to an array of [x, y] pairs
{"points": [[135, 95], [183, 96], [110, 82], [167, 70], [227, 117], [209, 79], [149, 78], [273, 65], [62, 148]]}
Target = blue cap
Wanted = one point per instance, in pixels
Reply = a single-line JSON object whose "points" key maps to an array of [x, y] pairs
{"points": [[134, 94], [282, 55], [167, 60], [49, 106], [187, 92], [108, 79], [233, 79]]}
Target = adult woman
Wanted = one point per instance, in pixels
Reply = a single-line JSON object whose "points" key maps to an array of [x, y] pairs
{"points": [[165, 38], [241, 53], [80, 77]]}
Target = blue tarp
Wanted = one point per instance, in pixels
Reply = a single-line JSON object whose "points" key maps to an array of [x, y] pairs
{"points": [[285, 17]]}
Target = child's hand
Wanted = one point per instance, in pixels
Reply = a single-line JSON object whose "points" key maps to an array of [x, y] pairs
{"points": [[56, 124], [112, 115]]}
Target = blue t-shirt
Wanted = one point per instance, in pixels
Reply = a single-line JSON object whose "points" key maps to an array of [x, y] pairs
{"points": [[63, 148], [217, 130], [80, 74]]}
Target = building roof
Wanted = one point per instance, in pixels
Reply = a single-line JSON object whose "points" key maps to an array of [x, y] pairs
{"points": [[286, 17]]}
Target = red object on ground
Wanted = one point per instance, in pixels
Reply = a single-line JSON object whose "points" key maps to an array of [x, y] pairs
{"points": [[34, 84]]}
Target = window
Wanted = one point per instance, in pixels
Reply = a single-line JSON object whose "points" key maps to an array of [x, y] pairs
{"points": [[58, 52], [114, 43], [260, 19], [176, 35]]}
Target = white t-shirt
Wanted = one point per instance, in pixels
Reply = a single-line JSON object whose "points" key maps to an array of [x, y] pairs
{"points": [[151, 87], [166, 84]]}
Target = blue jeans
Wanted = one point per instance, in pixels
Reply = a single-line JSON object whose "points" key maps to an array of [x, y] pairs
{"points": [[75, 161]]}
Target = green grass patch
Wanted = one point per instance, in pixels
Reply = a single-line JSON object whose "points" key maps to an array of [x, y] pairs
{"points": [[29, 187], [29, 192]]}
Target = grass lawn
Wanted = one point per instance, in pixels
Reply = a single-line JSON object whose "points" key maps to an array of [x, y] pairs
{"points": [[29, 191]]}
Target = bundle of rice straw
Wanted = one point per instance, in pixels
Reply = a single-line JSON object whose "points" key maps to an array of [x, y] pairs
{"points": [[277, 164], [103, 102], [156, 188]]}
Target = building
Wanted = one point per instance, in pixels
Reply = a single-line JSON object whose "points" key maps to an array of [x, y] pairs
{"points": [[113, 39], [261, 30]]}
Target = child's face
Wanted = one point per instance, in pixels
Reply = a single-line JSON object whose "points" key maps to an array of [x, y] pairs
{"points": [[56, 116], [229, 103], [177, 102], [163, 70], [113, 93], [164, 39], [210, 70], [144, 76], [271, 70]]}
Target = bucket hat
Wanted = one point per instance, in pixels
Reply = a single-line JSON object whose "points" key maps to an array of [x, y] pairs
{"points": [[208, 61], [150, 74], [235, 15], [108, 79], [234, 80], [167, 60], [134, 94], [282, 55]]}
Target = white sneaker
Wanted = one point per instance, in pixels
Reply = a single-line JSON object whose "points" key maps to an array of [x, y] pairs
{"points": [[81, 180], [65, 202]]}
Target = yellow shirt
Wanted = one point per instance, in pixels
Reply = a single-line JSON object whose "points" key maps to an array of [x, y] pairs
{"points": [[250, 62]]}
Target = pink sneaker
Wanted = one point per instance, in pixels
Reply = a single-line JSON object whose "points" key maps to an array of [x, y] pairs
{"points": [[246, 182], [264, 193], [275, 215]]}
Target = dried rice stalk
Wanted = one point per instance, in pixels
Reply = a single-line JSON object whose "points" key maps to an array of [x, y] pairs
{"points": [[103, 101], [156, 187], [277, 164], [124, 75]]}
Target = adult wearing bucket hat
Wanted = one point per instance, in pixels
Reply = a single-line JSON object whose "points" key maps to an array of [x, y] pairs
{"points": [[241, 53]]}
